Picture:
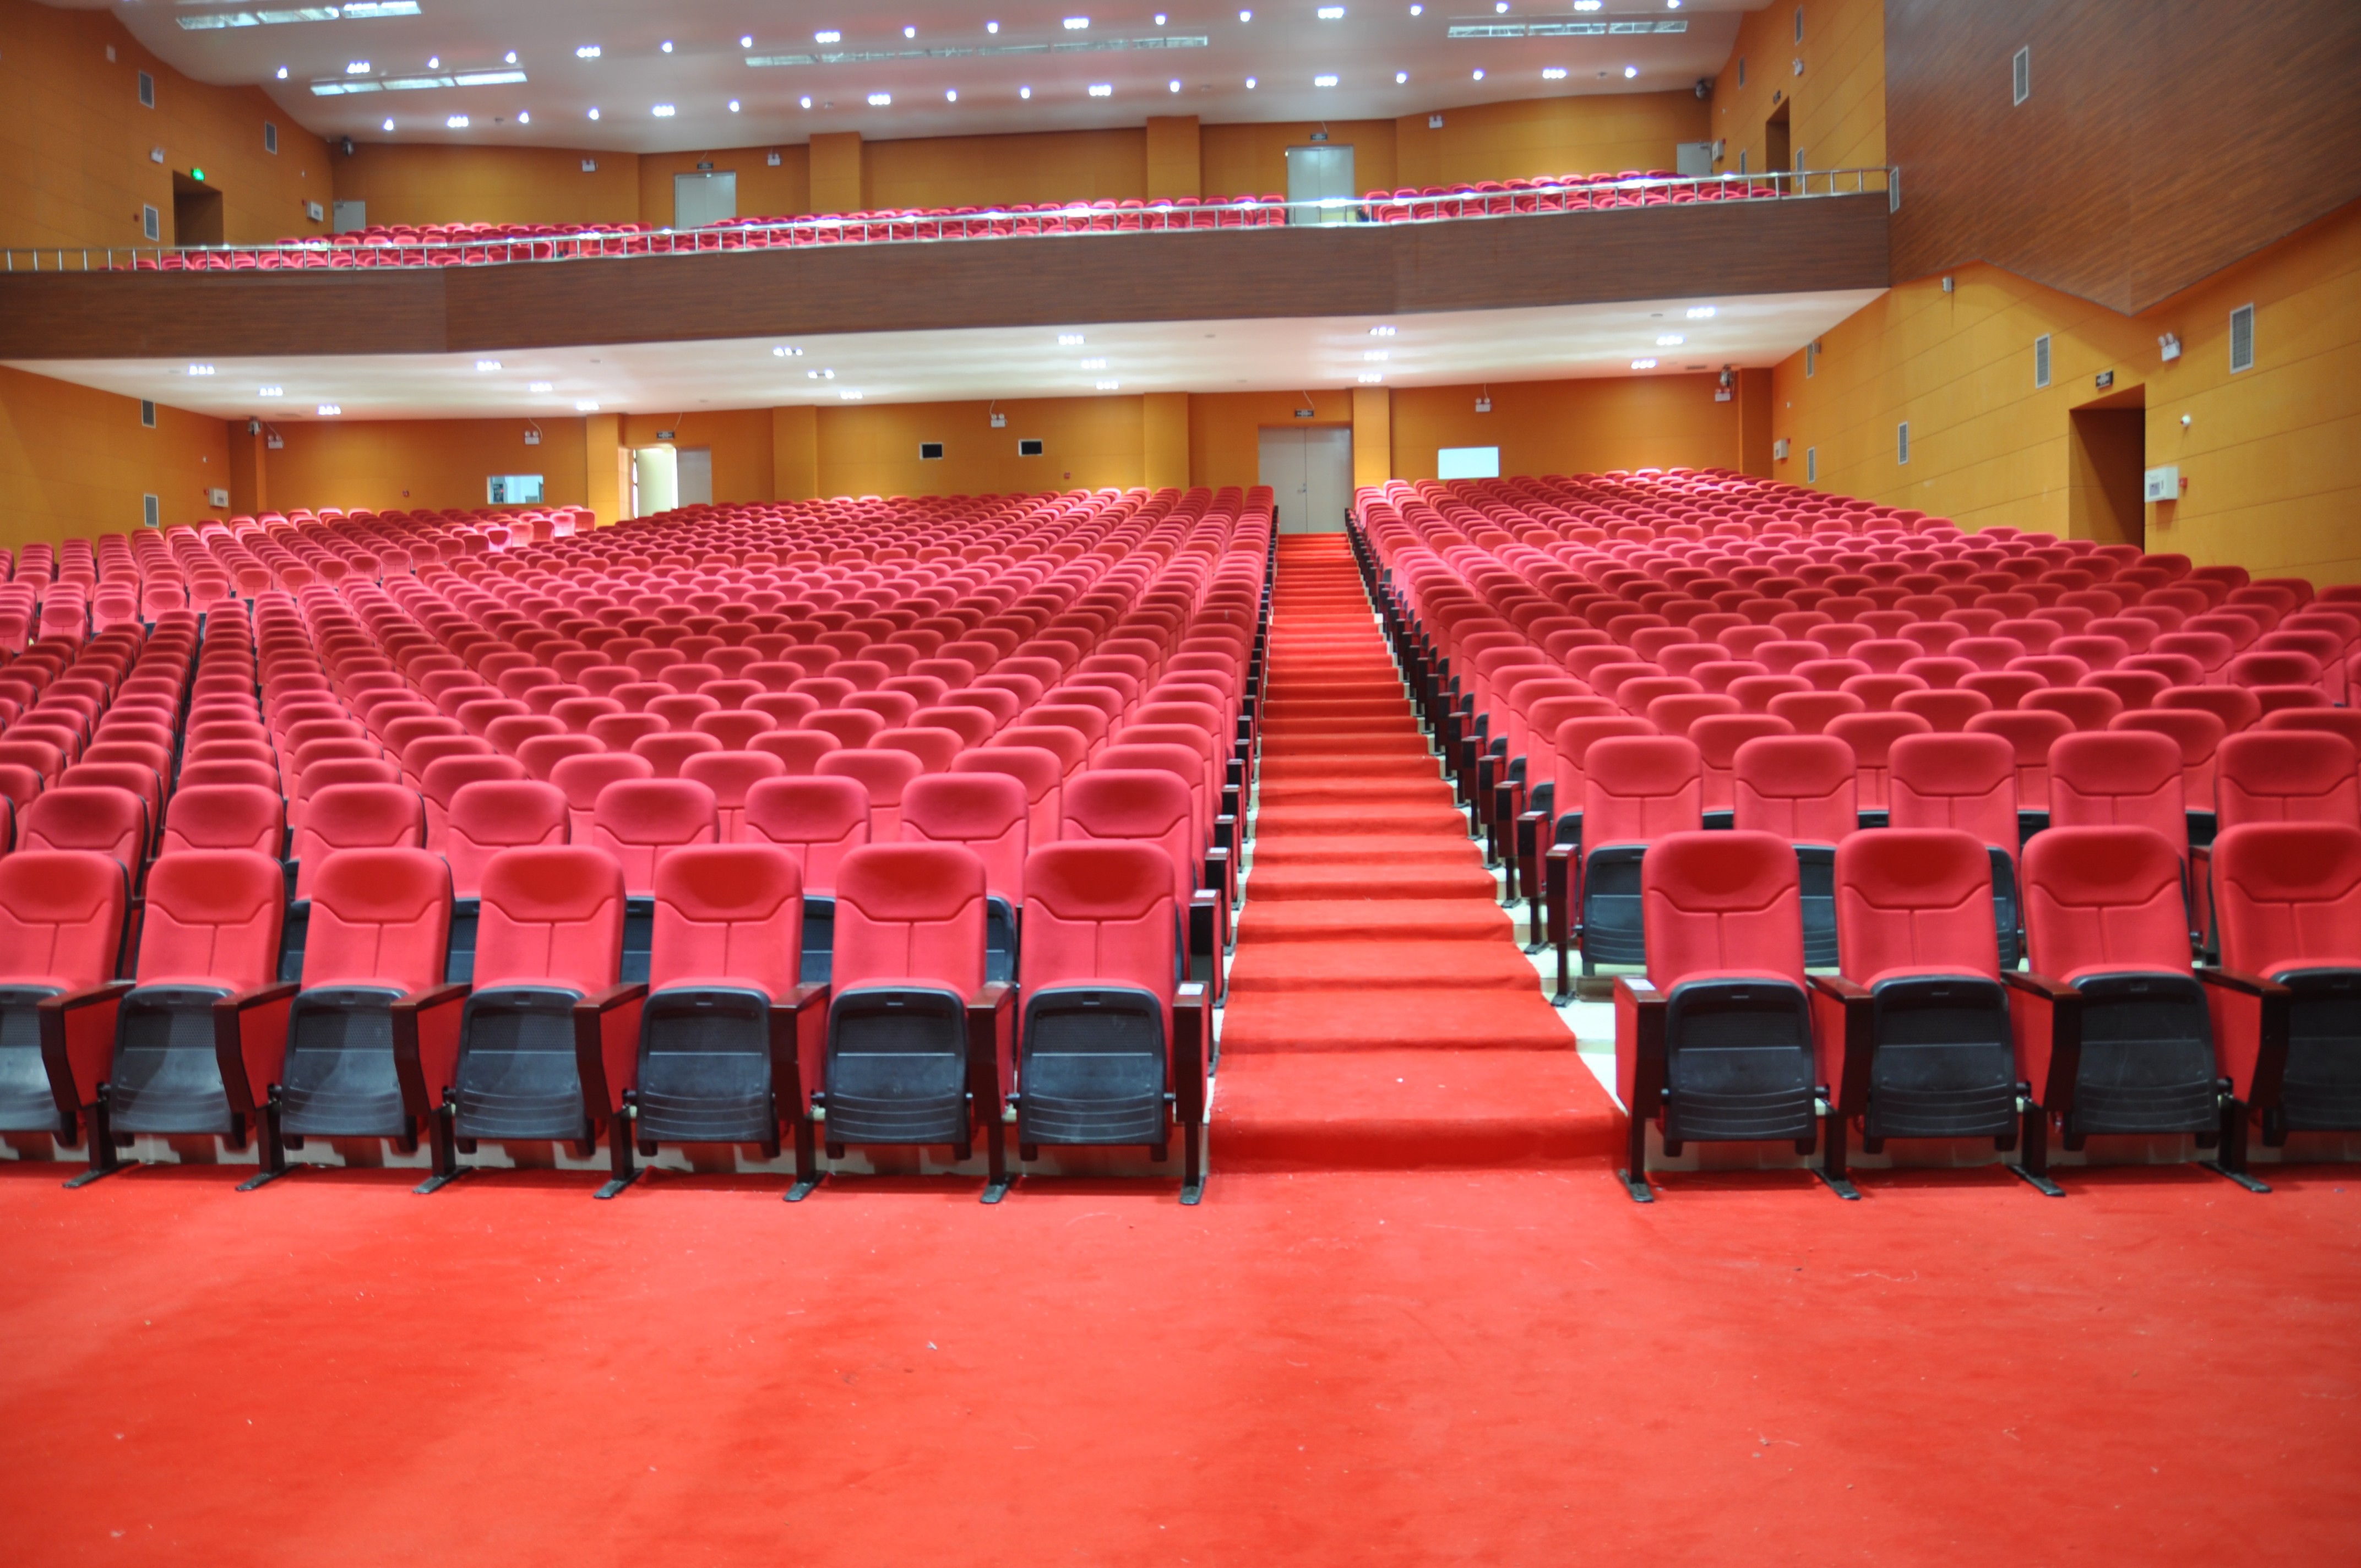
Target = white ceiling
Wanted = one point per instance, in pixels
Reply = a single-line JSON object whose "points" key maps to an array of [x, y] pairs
{"points": [[1296, 355], [1283, 48]]}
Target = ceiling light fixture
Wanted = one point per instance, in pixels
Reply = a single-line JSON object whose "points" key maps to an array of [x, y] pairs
{"points": [[1552, 73], [819, 375], [1246, 16], [1069, 339], [356, 68], [1173, 85], [733, 105], [510, 57], [992, 26], [805, 101], [786, 351], [594, 111], [1330, 13], [1094, 364], [330, 411], [1699, 313], [270, 392], [664, 111], [1250, 84], [433, 62], [1077, 24], [282, 73], [455, 122], [388, 123], [1377, 355], [1371, 377], [950, 94], [201, 369], [1670, 340], [488, 364], [1324, 80], [879, 99], [909, 32], [1025, 92], [541, 387], [586, 51], [665, 46], [1383, 331], [1102, 89], [827, 36], [586, 405], [1480, 74], [1109, 386], [1418, 10], [1400, 77], [746, 41], [1643, 365], [1630, 72], [853, 396], [524, 116]]}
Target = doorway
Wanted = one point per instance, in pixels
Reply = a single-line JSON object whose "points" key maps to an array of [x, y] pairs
{"points": [[1319, 174], [693, 475], [1310, 471], [655, 480], [1776, 158], [699, 201], [2106, 458], [196, 211]]}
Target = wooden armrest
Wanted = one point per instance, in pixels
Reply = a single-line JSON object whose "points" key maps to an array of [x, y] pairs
{"points": [[614, 996], [261, 995], [2239, 981], [1838, 986], [434, 996], [75, 1001], [2039, 985]]}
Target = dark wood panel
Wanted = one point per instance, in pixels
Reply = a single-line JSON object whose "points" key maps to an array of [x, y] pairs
{"points": [[2164, 139], [104, 315], [1549, 259]]}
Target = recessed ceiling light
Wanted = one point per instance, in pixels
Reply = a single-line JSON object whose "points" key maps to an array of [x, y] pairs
{"points": [[1630, 72], [746, 41], [786, 351], [1377, 355], [594, 111], [541, 387], [282, 73], [1069, 339], [1246, 16], [1383, 331], [524, 116], [879, 99], [992, 26], [488, 364], [1109, 386], [1418, 10], [1699, 313], [1173, 85], [853, 396], [909, 32], [388, 123], [950, 94], [665, 46], [356, 68], [330, 411], [270, 392], [586, 51], [1077, 24], [201, 369], [1371, 377], [1326, 79], [819, 375], [827, 36], [1400, 77], [1025, 92], [586, 405], [1094, 364], [733, 105], [664, 111], [1552, 73], [1670, 340], [805, 101], [1160, 19], [1102, 89], [1500, 7], [1480, 74], [433, 62], [1330, 13], [1587, 5], [1643, 365], [455, 122], [1250, 81]]}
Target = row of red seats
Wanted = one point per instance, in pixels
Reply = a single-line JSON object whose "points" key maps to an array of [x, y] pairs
{"points": [[1566, 194]]}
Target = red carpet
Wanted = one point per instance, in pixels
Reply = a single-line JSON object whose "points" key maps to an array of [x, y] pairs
{"points": [[1484, 1368], [1381, 1011]]}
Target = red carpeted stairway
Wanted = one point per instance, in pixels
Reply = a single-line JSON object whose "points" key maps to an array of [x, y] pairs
{"points": [[1380, 1013]]}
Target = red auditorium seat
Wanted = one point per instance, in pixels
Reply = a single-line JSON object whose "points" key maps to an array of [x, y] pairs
{"points": [[1914, 1034], [199, 1034], [61, 929], [1714, 1043], [987, 814], [919, 1048], [729, 1036], [1967, 782], [1637, 789], [1802, 789], [2288, 896], [1111, 1050], [548, 1039], [2111, 1029]]}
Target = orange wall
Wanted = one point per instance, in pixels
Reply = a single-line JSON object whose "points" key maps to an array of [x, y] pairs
{"points": [[74, 139], [762, 192], [1572, 427], [2267, 452], [407, 183], [1837, 112], [1090, 443], [1591, 134], [739, 440], [415, 463], [1251, 160], [76, 461], [986, 172]]}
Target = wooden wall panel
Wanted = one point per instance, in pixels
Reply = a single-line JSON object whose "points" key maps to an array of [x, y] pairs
{"points": [[1568, 258], [410, 183], [2163, 140], [1588, 132]]}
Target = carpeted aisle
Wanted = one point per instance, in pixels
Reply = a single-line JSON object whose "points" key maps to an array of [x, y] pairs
{"points": [[1381, 1011]]}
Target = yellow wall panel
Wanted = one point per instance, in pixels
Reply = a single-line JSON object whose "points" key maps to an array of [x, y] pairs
{"points": [[835, 179], [75, 141], [740, 439], [407, 184], [1088, 443], [75, 461], [1174, 158], [415, 463], [1251, 160], [1586, 134], [1224, 430], [993, 171], [762, 192], [1569, 427], [1836, 105]]}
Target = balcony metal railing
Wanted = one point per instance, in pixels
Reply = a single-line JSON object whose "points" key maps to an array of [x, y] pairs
{"points": [[1458, 204]]}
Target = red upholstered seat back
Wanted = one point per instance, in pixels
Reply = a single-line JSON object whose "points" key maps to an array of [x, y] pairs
{"points": [[2120, 778], [1966, 782], [382, 917], [1099, 914], [2198, 734], [61, 917], [96, 817], [495, 815], [1721, 904], [1914, 899], [2287, 895], [1041, 774], [552, 916], [818, 821], [728, 915], [1796, 787], [1138, 805], [910, 912], [2029, 735], [1641, 787], [986, 812], [356, 816], [213, 919], [2101, 900], [581, 779], [2287, 775]]}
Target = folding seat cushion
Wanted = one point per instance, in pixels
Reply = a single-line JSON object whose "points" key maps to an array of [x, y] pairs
{"points": [[225, 817], [1714, 1043], [723, 979], [1636, 790], [2111, 1029], [548, 1039], [1914, 1039], [372, 1021], [62, 927], [199, 1036], [988, 812], [2288, 898], [1107, 1036]]}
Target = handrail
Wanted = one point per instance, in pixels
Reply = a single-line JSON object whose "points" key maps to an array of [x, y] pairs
{"points": [[1459, 204]]}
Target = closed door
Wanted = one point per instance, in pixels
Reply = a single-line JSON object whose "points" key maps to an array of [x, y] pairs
{"points": [[1320, 173], [698, 200], [1310, 471], [655, 480], [693, 475]]}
